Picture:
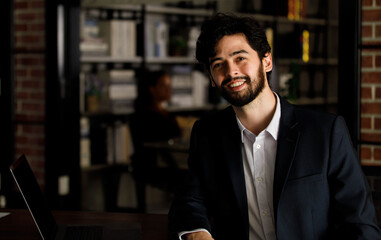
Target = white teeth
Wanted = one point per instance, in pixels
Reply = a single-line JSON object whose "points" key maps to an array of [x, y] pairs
{"points": [[236, 84]]}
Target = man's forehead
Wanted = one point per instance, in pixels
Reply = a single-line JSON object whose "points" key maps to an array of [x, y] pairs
{"points": [[231, 54]]}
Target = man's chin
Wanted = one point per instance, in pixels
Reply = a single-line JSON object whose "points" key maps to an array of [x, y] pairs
{"points": [[238, 102]]}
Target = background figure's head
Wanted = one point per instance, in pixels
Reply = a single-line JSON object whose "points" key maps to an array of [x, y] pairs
{"points": [[220, 25], [159, 86], [154, 89]]}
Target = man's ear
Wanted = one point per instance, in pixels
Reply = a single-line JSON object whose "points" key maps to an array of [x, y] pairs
{"points": [[267, 62]]}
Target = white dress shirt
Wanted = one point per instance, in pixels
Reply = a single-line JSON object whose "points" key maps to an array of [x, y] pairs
{"points": [[258, 153]]}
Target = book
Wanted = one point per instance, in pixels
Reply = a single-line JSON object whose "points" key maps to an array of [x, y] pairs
{"points": [[117, 75], [119, 144], [161, 39], [200, 84], [194, 32], [305, 45], [121, 89], [85, 153], [296, 9], [91, 44], [181, 85], [109, 31], [93, 47], [123, 143], [128, 38], [291, 10], [123, 106], [182, 99], [120, 36], [156, 31]]}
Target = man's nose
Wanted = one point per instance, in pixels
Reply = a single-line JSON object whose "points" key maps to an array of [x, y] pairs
{"points": [[231, 69]]}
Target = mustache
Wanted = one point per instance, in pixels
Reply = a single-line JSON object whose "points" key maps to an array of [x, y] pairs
{"points": [[229, 79]]}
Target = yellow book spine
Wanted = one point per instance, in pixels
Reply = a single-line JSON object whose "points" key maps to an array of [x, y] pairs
{"points": [[306, 46]]}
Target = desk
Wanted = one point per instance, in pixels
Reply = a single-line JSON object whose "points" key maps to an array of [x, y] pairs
{"points": [[19, 224]]}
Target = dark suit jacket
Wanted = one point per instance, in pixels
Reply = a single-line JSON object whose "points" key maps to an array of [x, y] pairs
{"points": [[319, 189]]}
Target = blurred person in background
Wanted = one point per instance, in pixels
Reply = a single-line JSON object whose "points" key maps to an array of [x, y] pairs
{"points": [[151, 123]]}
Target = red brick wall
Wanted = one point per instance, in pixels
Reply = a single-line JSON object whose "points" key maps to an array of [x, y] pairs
{"points": [[371, 82], [29, 57]]}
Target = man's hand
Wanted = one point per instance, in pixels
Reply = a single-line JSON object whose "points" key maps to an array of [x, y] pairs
{"points": [[202, 235]]}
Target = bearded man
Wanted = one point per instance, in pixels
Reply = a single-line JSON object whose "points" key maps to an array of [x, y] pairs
{"points": [[263, 168]]}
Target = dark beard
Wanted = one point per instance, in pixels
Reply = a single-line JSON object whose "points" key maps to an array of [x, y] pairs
{"points": [[251, 93]]}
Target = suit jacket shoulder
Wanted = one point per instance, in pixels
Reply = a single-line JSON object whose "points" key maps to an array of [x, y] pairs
{"points": [[317, 170]]}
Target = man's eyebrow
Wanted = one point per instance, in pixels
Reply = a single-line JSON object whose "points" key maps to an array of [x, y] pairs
{"points": [[237, 52], [230, 55]]}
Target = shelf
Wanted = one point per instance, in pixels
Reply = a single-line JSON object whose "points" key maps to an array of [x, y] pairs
{"points": [[153, 9], [126, 7], [207, 107], [307, 21], [106, 114], [281, 19], [171, 60], [108, 59], [178, 11], [317, 61]]}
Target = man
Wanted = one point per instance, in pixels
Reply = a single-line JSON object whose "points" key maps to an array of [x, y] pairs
{"points": [[262, 168]]}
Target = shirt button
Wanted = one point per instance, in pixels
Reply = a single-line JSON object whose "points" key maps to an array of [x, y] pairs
{"points": [[264, 213], [258, 146], [259, 179]]}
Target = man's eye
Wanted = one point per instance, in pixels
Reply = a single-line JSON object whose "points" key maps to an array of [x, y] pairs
{"points": [[240, 58], [216, 65]]}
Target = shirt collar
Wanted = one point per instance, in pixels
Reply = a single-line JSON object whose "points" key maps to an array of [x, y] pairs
{"points": [[273, 126]]}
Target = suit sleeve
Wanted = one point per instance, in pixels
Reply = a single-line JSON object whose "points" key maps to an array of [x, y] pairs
{"points": [[188, 210], [353, 210]]}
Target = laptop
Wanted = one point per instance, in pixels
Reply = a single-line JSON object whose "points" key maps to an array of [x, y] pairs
{"points": [[44, 219]]}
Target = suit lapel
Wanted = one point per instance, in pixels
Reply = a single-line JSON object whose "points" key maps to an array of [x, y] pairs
{"points": [[231, 143], [287, 141]]}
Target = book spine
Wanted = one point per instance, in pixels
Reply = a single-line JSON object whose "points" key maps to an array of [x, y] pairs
{"points": [[161, 39], [291, 9], [305, 45]]}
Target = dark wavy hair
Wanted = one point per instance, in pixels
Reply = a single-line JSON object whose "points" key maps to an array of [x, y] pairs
{"points": [[220, 25]]}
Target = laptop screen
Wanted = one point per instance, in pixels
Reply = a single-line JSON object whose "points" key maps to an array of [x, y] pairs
{"points": [[33, 196]]}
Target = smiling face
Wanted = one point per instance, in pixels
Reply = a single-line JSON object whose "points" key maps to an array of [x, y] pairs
{"points": [[237, 71]]}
